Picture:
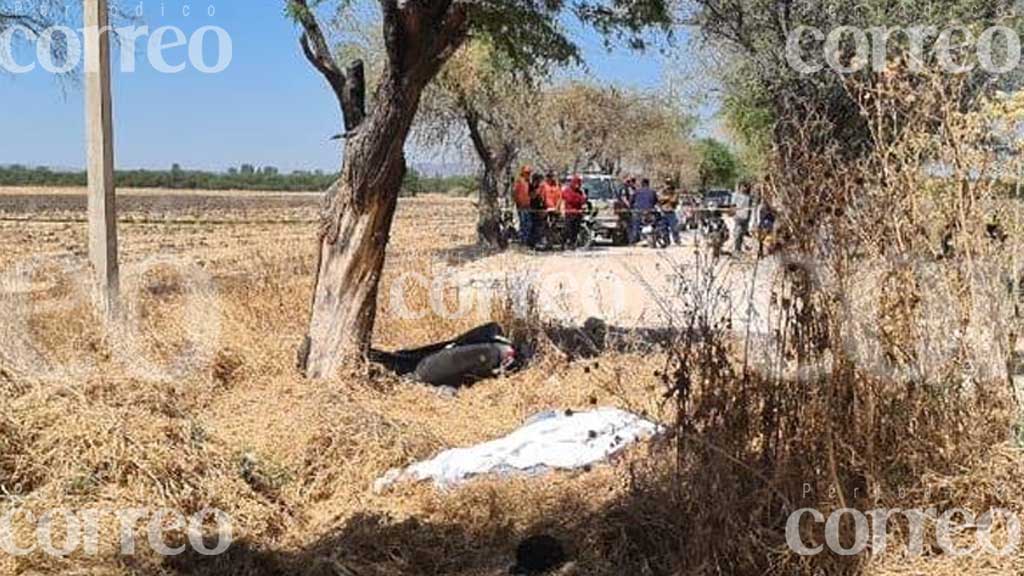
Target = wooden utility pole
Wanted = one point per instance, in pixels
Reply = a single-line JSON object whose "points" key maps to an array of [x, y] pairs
{"points": [[99, 134]]}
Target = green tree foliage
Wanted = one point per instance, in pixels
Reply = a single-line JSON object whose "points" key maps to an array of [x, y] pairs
{"points": [[478, 101], [766, 98], [747, 110], [457, 185], [481, 102], [583, 126], [718, 166]]}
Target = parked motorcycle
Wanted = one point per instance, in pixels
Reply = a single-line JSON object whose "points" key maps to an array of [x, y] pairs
{"points": [[714, 231], [689, 217], [508, 228], [556, 231], [654, 230], [587, 233]]}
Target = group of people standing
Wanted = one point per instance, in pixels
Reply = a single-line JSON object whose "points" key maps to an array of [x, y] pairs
{"points": [[639, 202], [744, 206], [542, 200], [538, 195]]}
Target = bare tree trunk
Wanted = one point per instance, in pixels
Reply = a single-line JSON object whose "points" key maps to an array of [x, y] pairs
{"points": [[355, 225], [488, 230], [359, 208]]}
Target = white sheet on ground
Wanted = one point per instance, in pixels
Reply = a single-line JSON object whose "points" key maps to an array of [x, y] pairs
{"points": [[549, 440]]}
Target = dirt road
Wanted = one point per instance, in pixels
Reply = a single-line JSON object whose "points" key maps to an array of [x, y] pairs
{"points": [[627, 286]]}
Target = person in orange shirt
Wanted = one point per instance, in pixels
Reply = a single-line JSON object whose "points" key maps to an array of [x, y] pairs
{"points": [[521, 196], [550, 197], [552, 193]]}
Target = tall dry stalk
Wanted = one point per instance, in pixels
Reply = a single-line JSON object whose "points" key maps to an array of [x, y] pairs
{"points": [[891, 329]]}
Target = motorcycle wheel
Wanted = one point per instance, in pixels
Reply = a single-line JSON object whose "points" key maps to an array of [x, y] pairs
{"points": [[461, 365], [585, 238], [662, 240]]}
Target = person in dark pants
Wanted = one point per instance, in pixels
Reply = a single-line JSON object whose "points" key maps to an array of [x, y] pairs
{"points": [[551, 206], [741, 216], [628, 189], [644, 200], [521, 196], [765, 228], [536, 210], [481, 353], [668, 200], [573, 201]]}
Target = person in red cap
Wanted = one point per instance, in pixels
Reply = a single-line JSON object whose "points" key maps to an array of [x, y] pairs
{"points": [[574, 198]]}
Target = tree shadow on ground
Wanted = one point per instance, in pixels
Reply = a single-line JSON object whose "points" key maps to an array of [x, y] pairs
{"points": [[652, 529], [468, 253], [367, 544]]}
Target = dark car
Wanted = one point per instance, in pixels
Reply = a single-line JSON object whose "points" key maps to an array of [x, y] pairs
{"points": [[714, 203], [718, 198]]}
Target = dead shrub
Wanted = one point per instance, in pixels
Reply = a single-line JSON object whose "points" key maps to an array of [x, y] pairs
{"points": [[882, 373]]}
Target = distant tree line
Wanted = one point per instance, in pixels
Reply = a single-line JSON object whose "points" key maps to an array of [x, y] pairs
{"points": [[415, 183], [244, 177]]}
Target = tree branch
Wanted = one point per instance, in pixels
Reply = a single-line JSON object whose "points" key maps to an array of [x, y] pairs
{"points": [[454, 30], [314, 44], [325, 66], [392, 31], [318, 52], [420, 37], [476, 135]]}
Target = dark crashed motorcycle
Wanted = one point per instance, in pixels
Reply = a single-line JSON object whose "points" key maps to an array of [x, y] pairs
{"points": [[481, 353]]}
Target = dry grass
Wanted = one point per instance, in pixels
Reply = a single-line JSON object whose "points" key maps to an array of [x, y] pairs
{"points": [[293, 461]]}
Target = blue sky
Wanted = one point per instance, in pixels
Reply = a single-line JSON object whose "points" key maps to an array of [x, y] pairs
{"points": [[269, 107]]}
